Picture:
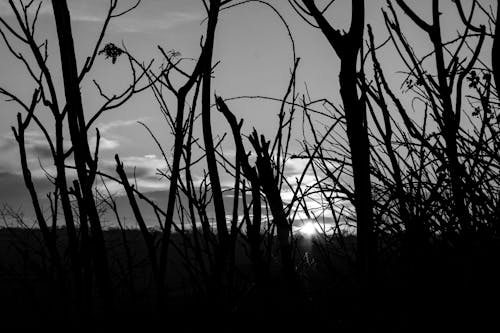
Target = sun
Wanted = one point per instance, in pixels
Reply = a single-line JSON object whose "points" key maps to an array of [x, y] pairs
{"points": [[308, 229]]}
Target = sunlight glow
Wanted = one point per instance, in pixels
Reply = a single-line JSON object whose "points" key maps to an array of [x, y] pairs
{"points": [[308, 229]]}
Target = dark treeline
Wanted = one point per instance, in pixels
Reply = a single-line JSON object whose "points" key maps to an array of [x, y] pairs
{"points": [[405, 174]]}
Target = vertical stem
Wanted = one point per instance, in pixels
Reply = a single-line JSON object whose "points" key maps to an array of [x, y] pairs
{"points": [[495, 52], [78, 134], [220, 214]]}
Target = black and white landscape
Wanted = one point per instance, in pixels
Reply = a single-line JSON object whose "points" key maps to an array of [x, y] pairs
{"points": [[249, 165]]}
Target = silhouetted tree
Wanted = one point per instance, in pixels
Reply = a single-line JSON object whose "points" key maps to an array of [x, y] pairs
{"points": [[347, 47], [84, 244], [406, 181]]}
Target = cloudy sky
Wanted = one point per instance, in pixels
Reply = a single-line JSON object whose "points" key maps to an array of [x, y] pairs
{"points": [[255, 57]]}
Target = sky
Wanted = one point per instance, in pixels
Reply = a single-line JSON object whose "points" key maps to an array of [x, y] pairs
{"points": [[255, 57]]}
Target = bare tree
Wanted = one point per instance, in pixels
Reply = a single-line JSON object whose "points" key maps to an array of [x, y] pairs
{"points": [[347, 47], [81, 245], [495, 52]]}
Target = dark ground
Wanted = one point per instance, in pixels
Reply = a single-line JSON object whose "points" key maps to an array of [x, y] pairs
{"points": [[444, 289]]}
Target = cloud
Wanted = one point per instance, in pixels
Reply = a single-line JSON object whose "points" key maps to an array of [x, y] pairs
{"points": [[110, 140], [106, 127], [17, 195], [163, 21], [39, 154], [36, 145], [77, 11], [143, 19], [38, 150], [7, 143], [140, 170], [84, 11], [104, 143], [295, 167], [316, 203]]}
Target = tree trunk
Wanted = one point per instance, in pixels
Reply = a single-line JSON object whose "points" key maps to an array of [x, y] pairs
{"points": [[220, 215], [78, 134], [347, 47]]}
